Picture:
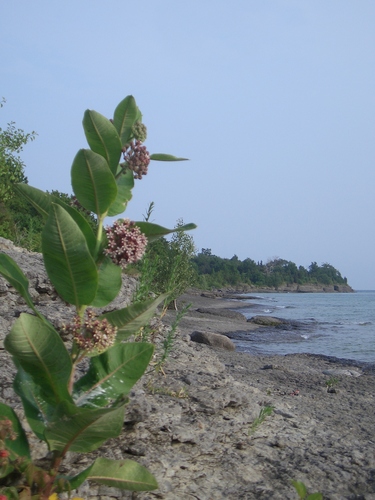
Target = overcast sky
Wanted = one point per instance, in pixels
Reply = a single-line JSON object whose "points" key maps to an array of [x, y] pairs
{"points": [[271, 100]]}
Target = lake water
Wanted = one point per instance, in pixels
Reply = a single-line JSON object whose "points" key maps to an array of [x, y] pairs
{"points": [[333, 324]]}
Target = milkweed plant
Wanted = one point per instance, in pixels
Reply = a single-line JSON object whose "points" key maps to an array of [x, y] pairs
{"points": [[67, 410]]}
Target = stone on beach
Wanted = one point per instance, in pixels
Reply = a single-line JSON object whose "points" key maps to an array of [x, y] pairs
{"points": [[213, 339]]}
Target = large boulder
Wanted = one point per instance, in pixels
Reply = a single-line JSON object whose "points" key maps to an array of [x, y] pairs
{"points": [[213, 339], [267, 321]]}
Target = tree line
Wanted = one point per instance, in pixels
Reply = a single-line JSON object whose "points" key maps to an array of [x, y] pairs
{"points": [[214, 271]]}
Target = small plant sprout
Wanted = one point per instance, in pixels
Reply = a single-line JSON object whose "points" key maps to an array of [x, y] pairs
{"points": [[331, 382], [265, 412], [71, 411], [303, 493]]}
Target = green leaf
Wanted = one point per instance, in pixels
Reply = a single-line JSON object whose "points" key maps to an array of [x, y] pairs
{"points": [[38, 199], [125, 184], [154, 231], [123, 474], [14, 275], [39, 350], [72, 483], [93, 182], [112, 374], [102, 137], [130, 319], [5, 470], [19, 446], [41, 201], [37, 410], [109, 283], [82, 429], [68, 260], [300, 488], [126, 114], [315, 496], [164, 157]]}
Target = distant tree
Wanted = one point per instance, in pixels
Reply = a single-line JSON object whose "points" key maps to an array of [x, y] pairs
{"points": [[12, 168], [206, 251]]}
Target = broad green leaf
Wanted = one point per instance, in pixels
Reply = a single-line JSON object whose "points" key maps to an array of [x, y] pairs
{"points": [[112, 374], [37, 410], [164, 157], [39, 350], [38, 199], [93, 182], [41, 201], [123, 474], [130, 319], [126, 114], [154, 231], [81, 222], [19, 446], [67, 259], [102, 137], [83, 429], [109, 283], [315, 496], [14, 275], [125, 184]]}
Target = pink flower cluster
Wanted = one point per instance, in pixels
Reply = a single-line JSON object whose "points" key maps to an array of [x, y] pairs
{"points": [[137, 158], [126, 242], [92, 333]]}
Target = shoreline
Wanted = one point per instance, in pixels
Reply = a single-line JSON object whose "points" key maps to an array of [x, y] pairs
{"points": [[211, 311], [320, 434]]}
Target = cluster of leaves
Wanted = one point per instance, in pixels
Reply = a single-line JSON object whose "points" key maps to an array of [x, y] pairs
{"points": [[215, 271], [67, 411], [167, 266]]}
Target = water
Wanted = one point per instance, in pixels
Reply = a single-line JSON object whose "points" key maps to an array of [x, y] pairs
{"points": [[333, 324]]}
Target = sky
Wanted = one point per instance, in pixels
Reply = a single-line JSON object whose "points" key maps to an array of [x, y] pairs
{"points": [[272, 101]]}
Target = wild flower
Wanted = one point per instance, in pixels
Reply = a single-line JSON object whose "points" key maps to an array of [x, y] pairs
{"points": [[137, 158], [92, 333], [126, 242]]}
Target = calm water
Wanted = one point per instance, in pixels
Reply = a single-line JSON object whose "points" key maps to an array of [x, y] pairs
{"points": [[341, 325]]}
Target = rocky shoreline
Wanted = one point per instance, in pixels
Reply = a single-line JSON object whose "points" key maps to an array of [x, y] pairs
{"points": [[193, 424]]}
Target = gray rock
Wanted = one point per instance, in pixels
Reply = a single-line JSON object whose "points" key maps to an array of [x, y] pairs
{"points": [[267, 321], [213, 339], [338, 372]]}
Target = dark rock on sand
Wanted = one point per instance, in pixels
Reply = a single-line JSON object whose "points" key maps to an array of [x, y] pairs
{"points": [[267, 321], [213, 340]]}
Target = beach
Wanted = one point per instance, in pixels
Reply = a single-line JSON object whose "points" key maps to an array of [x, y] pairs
{"points": [[321, 431], [197, 424]]}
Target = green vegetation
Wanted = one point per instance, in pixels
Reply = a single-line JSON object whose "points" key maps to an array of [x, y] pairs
{"points": [[84, 260], [303, 493], [216, 272], [20, 221], [167, 266], [265, 412]]}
